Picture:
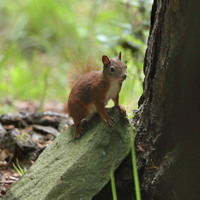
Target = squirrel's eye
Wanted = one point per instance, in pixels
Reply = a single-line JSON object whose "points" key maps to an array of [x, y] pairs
{"points": [[112, 69]]}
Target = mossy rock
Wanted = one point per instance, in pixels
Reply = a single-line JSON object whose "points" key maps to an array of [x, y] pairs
{"points": [[72, 169]]}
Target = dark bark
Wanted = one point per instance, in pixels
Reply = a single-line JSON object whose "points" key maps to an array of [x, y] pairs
{"points": [[167, 121]]}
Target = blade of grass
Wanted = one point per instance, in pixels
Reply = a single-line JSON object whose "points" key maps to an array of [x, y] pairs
{"points": [[114, 193], [18, 171], [18, 168], [135, 174], [22, 172]]}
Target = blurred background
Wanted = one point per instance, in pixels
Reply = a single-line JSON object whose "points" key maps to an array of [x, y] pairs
{"points": [[39, 41]]}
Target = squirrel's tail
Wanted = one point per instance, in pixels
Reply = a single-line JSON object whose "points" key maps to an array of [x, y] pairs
{"points": [[66, 108], [77, 69], [80, 67]]}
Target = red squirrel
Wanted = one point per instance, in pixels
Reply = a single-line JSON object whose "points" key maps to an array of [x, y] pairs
{"points": [[94, 89]]}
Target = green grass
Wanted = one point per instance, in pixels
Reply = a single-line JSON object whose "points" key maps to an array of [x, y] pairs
{"points": [[135, 173], [18, 168], [114, 193]]}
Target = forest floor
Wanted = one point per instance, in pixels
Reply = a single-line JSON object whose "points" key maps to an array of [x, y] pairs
{"points": [[41, 134]]}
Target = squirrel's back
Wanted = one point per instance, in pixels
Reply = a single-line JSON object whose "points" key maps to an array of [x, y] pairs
{"points": [[82, 88], [80, 69]]}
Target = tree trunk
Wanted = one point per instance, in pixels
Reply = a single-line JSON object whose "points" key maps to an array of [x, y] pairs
{"points": [[168, 119], [167, 122]]}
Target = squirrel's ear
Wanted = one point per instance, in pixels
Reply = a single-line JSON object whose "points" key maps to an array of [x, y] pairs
{"points": [[120, 55], [105, 60]]}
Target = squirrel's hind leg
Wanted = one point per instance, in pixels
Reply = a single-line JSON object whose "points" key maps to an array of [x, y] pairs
{"points": [[78, 131], [78, 115]]}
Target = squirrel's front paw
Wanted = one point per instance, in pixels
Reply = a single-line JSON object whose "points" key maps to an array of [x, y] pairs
{"points": [[122, 109], [109, 120]]}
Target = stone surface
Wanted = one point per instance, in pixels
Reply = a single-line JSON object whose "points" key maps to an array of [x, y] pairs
{"points": [[2, 132], [46, 130], [72, 169], [19, 139]]}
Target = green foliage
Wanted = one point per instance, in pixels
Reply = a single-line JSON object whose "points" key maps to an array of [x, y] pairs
{"points": [[39, 39], [18, 168]]}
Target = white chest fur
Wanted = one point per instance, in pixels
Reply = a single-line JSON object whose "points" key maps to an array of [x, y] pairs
{"points": [[113, 91]]}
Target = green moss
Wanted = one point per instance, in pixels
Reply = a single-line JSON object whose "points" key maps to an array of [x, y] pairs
{"points": [[23, 137]]}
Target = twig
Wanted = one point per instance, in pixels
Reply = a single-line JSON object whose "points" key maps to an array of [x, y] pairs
{"points": [[8, 182]]}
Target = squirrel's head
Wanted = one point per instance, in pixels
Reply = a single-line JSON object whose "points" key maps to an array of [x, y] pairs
{"points": [[114, 69]]}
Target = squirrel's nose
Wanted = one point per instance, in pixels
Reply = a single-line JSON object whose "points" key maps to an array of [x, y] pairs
{"points": [[124, 76]]}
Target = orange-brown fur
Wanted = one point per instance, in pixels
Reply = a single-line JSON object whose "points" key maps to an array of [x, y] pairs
{"points": [[80, 67], [92, 91]]}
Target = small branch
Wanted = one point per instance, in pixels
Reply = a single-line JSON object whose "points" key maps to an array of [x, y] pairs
{"points": [[8, 182]]}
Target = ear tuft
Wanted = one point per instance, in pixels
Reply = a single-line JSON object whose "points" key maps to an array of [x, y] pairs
{"points": [[105, 60], [120, 55]]}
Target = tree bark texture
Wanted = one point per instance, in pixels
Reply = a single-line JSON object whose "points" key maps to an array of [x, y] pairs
{"points": [[168, 119]]}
